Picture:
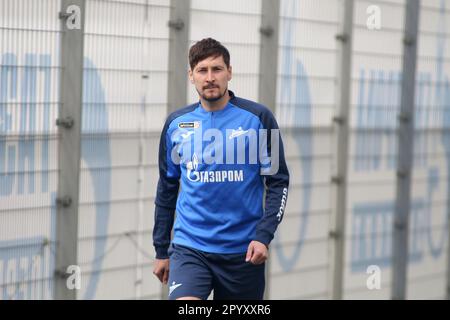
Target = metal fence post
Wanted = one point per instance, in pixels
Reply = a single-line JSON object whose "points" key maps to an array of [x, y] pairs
{"points": [[340, 149], [268, 70], [268, 58], [180, 13], [178, 53], [405, 152], [69, 128]]}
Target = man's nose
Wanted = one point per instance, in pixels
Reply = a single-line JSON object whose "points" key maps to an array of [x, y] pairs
{"points": [[210, 76]]}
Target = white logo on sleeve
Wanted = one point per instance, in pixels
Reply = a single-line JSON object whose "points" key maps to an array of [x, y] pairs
{"points": [[282, 205], [174, 286], [237, 133]]}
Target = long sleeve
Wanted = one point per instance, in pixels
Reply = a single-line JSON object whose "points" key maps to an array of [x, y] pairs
{"points": [[276, 183], [166, 195]]}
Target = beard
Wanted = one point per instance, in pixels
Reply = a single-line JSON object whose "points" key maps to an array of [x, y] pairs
{"points": [[213, 98]]}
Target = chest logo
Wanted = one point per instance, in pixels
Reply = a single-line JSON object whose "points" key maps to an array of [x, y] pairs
{"points": [[189, 125]]}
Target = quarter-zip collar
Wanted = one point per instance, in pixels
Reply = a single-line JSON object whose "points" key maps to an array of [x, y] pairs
{"points": [[218, 112]]}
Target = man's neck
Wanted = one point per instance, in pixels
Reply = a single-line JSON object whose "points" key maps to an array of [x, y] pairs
{"points": [[215, 105]]}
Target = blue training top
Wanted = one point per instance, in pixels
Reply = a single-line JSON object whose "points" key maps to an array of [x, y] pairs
{"points": [[220, 204]]}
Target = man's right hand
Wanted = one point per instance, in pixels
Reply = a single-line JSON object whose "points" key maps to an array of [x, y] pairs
{"points": [[161, 270]]}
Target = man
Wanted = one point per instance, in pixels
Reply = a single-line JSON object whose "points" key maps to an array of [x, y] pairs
{"points": [[221, 232]]}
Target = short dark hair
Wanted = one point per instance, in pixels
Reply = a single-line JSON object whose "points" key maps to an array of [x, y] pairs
{"points": [[206, 48]]}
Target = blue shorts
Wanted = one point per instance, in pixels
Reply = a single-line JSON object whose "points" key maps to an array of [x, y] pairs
{"points": [[195, 273]]}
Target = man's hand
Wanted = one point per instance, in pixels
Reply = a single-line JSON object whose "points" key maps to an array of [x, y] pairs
{"points": [[257, 252], [161, 270]]}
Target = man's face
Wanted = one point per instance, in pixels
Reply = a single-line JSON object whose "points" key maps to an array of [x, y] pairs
{"points": [[210, 77]]}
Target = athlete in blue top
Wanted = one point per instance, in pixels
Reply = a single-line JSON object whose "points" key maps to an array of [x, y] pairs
{"points": [[224, 152]]}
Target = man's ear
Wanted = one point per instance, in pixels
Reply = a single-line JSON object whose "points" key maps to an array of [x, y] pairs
{"points": [[230, 73], [191, 76]]}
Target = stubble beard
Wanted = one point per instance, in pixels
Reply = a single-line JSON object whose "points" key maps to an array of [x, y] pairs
{"points": [[213, 99]]}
